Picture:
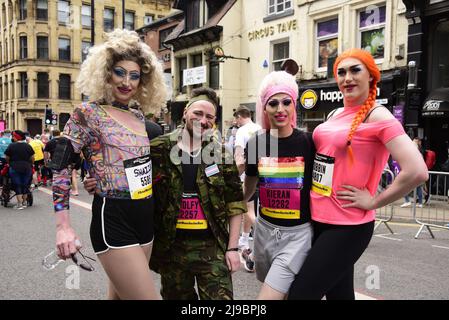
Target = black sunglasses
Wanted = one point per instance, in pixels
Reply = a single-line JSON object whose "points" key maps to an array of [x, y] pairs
{"points": [[275, 103], [85, 266]]}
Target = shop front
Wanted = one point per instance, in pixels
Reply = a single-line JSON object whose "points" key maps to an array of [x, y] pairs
{"points": [[428, 88], [318, 99]]}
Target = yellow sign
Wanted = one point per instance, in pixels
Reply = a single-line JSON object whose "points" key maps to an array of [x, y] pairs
{"points": [[272, 30], [308, 99]]}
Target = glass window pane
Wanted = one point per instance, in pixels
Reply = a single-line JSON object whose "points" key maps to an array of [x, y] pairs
{"points": [[42, 10], [288, 4], [327, 49], [372, 16], [373, 42], [85, 45], [280, 51], [277, 66], [326, 28], [85, 10], [42, 4], [108, 13], [214, 75], [440, 62]]}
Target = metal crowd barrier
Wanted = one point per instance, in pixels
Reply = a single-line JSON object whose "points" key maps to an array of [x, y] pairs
{"points": [[385, 214], [435, 211]]}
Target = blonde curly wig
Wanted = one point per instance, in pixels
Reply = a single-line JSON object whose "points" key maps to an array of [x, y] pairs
{"points": [[96, 70]]}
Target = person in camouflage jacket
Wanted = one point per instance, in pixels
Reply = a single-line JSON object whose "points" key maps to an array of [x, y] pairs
{"points": [[183, 257]]}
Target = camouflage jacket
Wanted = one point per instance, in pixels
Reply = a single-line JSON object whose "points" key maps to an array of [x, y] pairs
{"points": [[221, 194]]}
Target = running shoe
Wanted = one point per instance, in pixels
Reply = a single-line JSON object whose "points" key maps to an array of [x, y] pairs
{"points": [[406, 204], [248, 260]]}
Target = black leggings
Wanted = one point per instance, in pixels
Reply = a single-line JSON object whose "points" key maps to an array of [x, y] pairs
{"points": [[329, 267]]}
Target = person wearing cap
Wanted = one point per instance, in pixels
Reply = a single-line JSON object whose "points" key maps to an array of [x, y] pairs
{"points": [[20, 157], [247, 129], [198, 206], [352, 149]]}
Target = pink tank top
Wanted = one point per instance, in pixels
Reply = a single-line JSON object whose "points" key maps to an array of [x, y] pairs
{"points": [[332, 168]]}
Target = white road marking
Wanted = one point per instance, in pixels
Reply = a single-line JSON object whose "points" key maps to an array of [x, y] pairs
{"points": [[80, 203], [360, 296], [440, 247], [383, 236]]}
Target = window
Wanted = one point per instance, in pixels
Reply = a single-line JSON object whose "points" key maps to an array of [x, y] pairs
{"points": [[372, 29], [42, 47], [13, 87], [23, 85], [4, 14], [86, 16], [108, 19], [64, 49], [64, 12], [85, 45], [278, 6], [23, 47], [193, 15], [42, 85], [327, 41], [6, 88], [22, 9], [13, 52], [42, 10], [439, 76], [64, 86], [182, 64], [280, 54], [197, 60], [129, 20], [148, 19], [214, 75], [163, 34]]}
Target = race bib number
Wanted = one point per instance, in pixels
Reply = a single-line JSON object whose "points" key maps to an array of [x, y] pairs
{"points": [[138, 173], [323, 171], [191, 215], [280, 184]]}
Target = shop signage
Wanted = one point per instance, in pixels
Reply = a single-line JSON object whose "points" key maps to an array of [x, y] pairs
{"points": [[269, 31], [435, 108], [308, 99], [194, 76], [328, 98]]}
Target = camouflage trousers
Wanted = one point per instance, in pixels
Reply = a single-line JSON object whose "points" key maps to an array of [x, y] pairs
{"points": [[196, 259]]}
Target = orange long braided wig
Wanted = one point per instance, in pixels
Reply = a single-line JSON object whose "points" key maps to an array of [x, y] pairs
{"points": [[366, 58]]}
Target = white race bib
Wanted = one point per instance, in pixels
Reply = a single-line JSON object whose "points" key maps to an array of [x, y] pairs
{"points": [[323, 171], [138, 173]]}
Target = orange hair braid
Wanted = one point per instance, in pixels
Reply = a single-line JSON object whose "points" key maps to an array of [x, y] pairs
{"points": [[359, 117]]}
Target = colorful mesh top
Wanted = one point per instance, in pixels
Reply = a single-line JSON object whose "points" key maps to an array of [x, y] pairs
{"points": [[332, 169], [118, 156]]}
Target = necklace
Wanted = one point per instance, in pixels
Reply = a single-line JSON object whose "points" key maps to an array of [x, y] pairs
{"points": [[120, 105]]}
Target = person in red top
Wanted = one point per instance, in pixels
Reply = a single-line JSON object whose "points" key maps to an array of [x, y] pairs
{"points": [[352, 148]]}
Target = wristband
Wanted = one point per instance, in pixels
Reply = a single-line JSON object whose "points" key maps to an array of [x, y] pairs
{"points": [[232, 249]]}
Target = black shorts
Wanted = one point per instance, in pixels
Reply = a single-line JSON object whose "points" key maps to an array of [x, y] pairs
{"points": [[118, 223], [38, 164]]}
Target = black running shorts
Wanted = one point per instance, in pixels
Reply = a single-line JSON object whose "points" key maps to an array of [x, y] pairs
{"points": [[118, 223]]}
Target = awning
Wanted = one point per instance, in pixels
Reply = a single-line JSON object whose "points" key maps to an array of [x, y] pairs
{"points": [[437, 104]]}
